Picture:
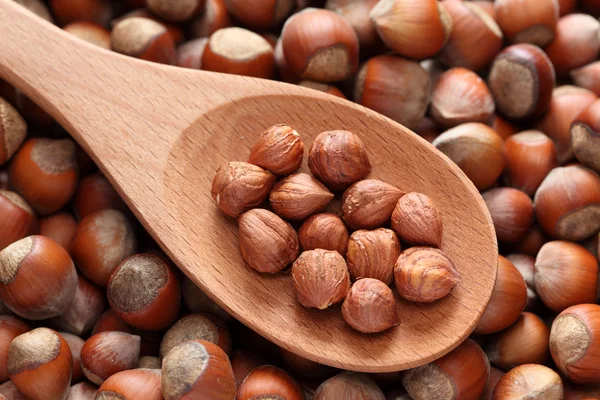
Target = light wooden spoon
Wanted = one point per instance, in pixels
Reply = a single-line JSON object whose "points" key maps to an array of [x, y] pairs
{"points": [[159, 133]]}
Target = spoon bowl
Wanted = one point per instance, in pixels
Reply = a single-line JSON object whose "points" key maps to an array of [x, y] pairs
{"points": [[159, 134]]}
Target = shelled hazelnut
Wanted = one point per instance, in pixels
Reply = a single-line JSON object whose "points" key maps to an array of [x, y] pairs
{"points": [[370, 306], [10, 328], [102, 241], [320, 278], [17, 220], [526, 22], [324, 231], [44, 172], [298, 196], [176, 10], [75, 344], [588, 77], [566, 104], [144, 291], [279, 150], [268, 381], [477, 150], [213, 18], [575, 343], [239, 51], [90, 32], [475, 39], [67, 11], [349, 386], [320, 45], [238, 187], [134, 384], [584, 136], [369, 203], [462, 373], [197, 369], [511, 211], [395, 87], [338, 159], [413, 28], [521, 80], [267, 243], [196, 327], [529, 381], [425, 274], [530, 156], [357, 14], [145, 39], [95, 193], [38, 278], [40, 364], [524, 342], [461, 96], [13, 132], [566, 274], [372, 254], [59, 227], [417, 220], [107, 353], [189, 55], [509, 298], [562, 215]]}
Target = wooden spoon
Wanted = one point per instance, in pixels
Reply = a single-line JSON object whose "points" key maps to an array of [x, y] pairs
{"points": [[159, 133]]}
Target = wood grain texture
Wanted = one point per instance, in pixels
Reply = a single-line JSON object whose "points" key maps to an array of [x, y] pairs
{"points": [[159, 134]]}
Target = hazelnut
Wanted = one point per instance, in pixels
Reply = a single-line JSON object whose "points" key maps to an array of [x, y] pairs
{"points": [[461, 96], [198, 302], [508, 299], [502, 127], [86, 307], [143, 38], [67, 11], [59, 227], [214, 17], [304, 366], [175, 31], [530, 156], [476, 149], [369, 203], [322, 87], [189, 55], [526, 22], [588, 77], [324, 231], [267, 243], [197, 327], [425, 274], [320, 45], [279, 149], [417, 220], [284, 71], [521, 80], [566, 274], [462, 373], [40, 364], [562, 214], [585, 134], [349, 386], [239, 51], [44, 172], [566, 104], [197, 369], [243, 362], [133, 384], [17, 218], [175, 10], [372, 254], [320, 278], [90, 32], [495, 375], [82, 391], [13, 131], [102, 241], [395, 87], [144, 290], [75, 344], [38, 7], [511, 211], [576, 44], [107, 353], [524, 342], [413, 28], [266, 382], [475, 39], [149, 362], [38, 278], [529, 381], [370, 306], [357, 14], [95, 193], [110, 321], [526, 266], [238, 187], [298, 196], [263, 15], [10, 328]]}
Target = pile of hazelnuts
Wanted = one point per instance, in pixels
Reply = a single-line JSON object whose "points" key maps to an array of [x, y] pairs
{"points": [[507, 89], [330, 257]]}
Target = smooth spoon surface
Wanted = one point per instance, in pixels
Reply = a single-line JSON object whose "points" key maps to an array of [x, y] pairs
{"points": [[159, 133]]}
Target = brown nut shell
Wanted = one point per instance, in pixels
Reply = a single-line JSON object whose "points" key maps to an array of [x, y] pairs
{"points": [[511, 211], [417, 220], [138, 383], [13, 130], [527, 22], [530, 381], [107, 353], [585, 136], [370, 306], [349, 386], [279, 149], [298, 196], [145, 39], [372, 254], [197, 327], [269, 382]]}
